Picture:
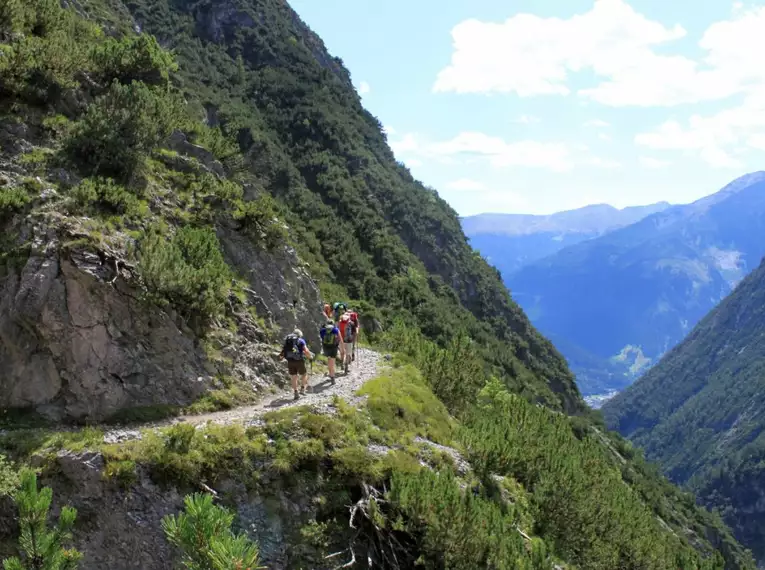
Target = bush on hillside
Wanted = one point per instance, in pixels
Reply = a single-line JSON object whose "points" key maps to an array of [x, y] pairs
{"points": [[187, 271], [122, 127]]}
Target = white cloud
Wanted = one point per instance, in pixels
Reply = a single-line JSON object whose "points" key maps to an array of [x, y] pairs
{"points": [[555, 156], [388, 130], [527, 119], [714, 138], [650, 162], [597, 123], [529, 55], [604, 136], [603, 163], [364, 88], [476, 146], [465, 185]]}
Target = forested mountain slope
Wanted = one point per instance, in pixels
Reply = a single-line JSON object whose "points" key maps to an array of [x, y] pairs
{"points": [[511, 241], [642, 288], [165, 219], [700, 412]]}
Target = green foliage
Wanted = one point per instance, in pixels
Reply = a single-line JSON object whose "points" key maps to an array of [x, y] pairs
{"points": [[122, 127], [46, 49], [459, 529], [203, 533], [133, 58], [582, 506], [401, 401], [187, 270], [106, 196], [259, 219], [9, 477], [12, 199], [41, 548]]}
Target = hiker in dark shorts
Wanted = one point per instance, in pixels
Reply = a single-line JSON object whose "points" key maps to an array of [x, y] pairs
{"points": [[330, 344], [295, 350]]}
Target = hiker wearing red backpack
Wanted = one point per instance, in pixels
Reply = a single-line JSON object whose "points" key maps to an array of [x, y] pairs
{"points": [[356, 329], [347, 336]]}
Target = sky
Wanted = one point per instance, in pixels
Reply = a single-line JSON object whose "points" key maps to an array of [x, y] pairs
{"points": [[538, 106]]}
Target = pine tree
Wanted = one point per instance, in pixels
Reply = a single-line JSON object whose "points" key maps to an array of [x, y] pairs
{"points": [[203, 533], [42, 548]]}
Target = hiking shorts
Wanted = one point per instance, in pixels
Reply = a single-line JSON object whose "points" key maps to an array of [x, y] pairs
{"points": [[296, 367], [330, 351]]}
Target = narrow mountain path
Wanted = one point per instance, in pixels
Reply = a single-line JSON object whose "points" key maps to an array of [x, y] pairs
{"points": [[320, 394]]}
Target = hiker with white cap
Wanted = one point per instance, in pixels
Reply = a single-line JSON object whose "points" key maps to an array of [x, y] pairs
{"points": [[295, 350]]}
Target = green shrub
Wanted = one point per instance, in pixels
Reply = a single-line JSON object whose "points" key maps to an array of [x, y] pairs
{"points": [[48, 48], [133, 58], [188, 271], [40, 547], [260, 220], [203, 533], [105, 195], [122, 127], [12, 199], [123, 472]]}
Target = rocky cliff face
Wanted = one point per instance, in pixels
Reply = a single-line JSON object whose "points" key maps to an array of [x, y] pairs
{"points": [[78, 339]]}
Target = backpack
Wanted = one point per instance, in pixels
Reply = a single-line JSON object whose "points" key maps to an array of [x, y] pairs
{"points": [[330, 339], [337, 307], [350, 330], [292, 348]]}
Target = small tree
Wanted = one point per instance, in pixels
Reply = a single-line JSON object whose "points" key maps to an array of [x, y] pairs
{"points": [[42, 548], [203, 533]]}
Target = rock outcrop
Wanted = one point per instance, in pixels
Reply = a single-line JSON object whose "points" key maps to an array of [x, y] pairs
{"points": [[76, 343]]}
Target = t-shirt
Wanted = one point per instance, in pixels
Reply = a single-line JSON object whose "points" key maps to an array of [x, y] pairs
{"points": [[335, 331]]}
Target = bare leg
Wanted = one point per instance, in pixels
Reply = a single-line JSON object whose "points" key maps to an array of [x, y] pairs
{"points": [[294, 382], [331, 366], [305, 380]]}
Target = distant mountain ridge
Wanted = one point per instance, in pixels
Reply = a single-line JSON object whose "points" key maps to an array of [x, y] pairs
{"points": [[700, 412], [623, 299], [595, 218], [511, 241]]}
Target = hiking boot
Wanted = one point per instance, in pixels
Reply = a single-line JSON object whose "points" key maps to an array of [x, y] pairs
{"points": [[296, 395], [302, 391], [353, 357], [332, 380]]}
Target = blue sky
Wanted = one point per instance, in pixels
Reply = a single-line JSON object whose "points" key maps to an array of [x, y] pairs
{"points": [[546, 105]]}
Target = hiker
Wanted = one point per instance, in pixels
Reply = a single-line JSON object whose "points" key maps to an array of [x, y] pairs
{"points": [[327, 312], [357, 327], [330, 343], [339, 308], [295, 351], [347, 334]]}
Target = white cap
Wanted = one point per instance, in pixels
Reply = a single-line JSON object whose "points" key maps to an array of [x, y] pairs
{"points": [[298, 332]]}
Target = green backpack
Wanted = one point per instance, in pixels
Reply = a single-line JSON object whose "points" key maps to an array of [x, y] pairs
{"points": [[330, 338]]}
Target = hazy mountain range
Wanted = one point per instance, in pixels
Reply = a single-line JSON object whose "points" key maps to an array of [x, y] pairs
{"points": [[614, 303]]}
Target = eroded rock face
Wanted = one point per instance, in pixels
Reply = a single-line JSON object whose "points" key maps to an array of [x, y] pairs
{"points": [[75, 346], [282, 291]]}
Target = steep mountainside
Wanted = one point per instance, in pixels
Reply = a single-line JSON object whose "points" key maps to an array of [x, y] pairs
{"points": [[700, 412], [166, 218], [511, 241], [641, 288]]}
